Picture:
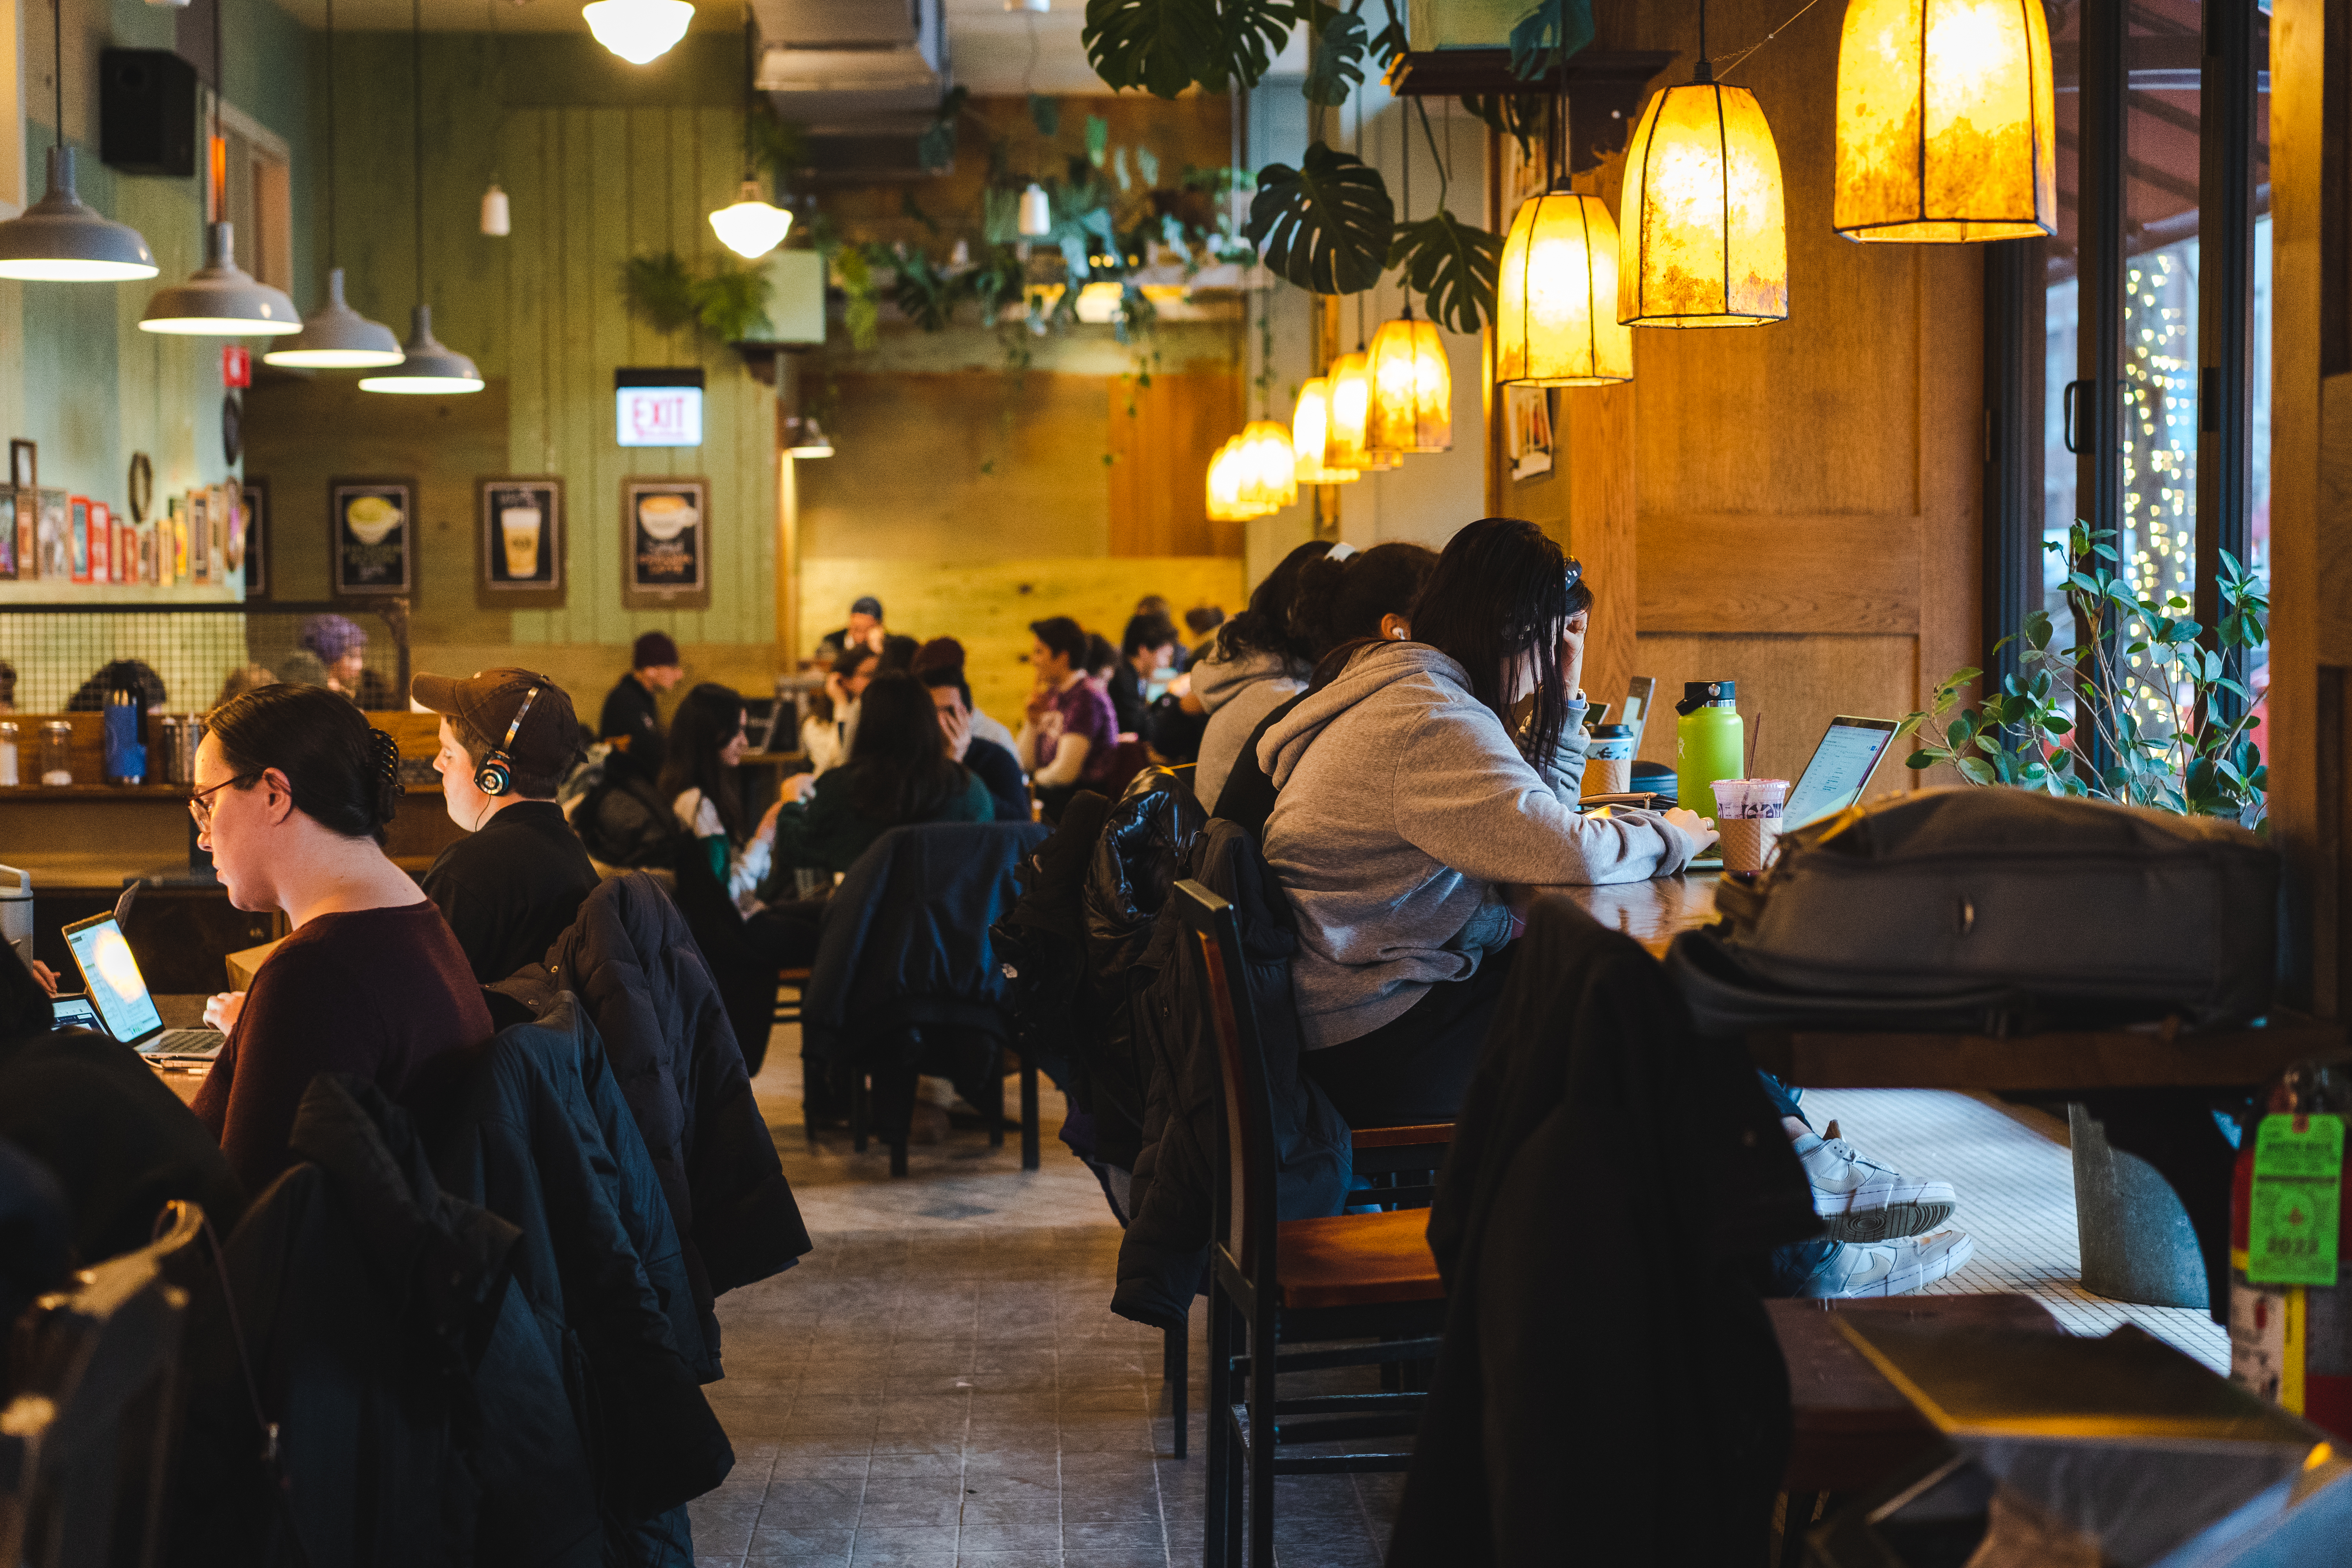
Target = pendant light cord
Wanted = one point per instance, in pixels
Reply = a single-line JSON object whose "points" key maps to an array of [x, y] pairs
{"points": [[57, 66], [416, 100], [751, 67], [330, 134], [216, 155]]}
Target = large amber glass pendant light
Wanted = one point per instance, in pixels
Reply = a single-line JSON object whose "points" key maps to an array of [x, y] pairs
{"points": [[1310, 435], [1705, 235], [1946, 121], [1411, 403], [1556, 290]]}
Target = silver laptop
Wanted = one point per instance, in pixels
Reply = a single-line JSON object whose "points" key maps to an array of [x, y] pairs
{"points": [[1840, 769], [118, 993]]}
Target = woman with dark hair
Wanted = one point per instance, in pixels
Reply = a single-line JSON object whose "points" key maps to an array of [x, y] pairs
{"points": [[1408, 795], [1070, 737], [1259, 664], [1344, 600], [705, 741], [292, 793], [898, 773]]}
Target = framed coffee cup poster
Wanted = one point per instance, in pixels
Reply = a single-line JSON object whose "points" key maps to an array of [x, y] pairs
{"points": [[373, 544], [521, 533], [665, 529]]}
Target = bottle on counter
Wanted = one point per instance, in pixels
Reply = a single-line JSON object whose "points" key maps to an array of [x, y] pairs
{"points": [[125, 748], [56, 753], [1709, 743], [8, 775]]}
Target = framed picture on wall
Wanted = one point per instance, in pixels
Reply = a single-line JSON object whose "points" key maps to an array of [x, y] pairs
{"points": [[371, 539], [519, 522], [665, 532], [256, 539]]}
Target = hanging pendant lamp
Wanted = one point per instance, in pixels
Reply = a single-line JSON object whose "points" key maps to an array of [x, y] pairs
{"points": [[1946, 121], [1269, 477], [60, 238], [1310, 437], [1036, 212], [753, 226], [1349, 446], [335, 336], [1706, 238], [1227, 471], [1411, 406], [639, 31], [428, 366], [1556, 296]]}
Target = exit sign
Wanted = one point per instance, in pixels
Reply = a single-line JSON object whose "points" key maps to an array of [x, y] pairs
{"points": [[657, 407]]}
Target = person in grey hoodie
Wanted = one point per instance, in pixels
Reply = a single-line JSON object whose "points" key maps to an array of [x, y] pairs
{"points": [[1261, 662], [1407, 798]]}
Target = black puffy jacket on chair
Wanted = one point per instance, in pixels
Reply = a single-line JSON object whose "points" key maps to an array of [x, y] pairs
{"points": [[635, 968], [1166, 1248], [1041, 943], [1608, 1385], [1145, 842]]}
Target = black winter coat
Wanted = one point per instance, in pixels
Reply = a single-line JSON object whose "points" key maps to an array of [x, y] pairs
{"points": [[366, 1298], [1165, 1250], [1609, 1382], [1142, 853], [635, 966], [1041, 944], [604, 1317], [905, 946]]}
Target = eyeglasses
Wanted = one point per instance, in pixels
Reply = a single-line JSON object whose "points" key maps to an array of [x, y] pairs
{"points": [[200, 804]]}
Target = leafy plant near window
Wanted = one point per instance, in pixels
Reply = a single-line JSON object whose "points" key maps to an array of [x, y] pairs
{"points": [[2143, 677], [723, 300]]}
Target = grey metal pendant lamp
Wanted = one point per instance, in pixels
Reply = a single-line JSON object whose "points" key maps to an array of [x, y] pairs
{"points": [[428, 366], [61, 238], [335, 336]]}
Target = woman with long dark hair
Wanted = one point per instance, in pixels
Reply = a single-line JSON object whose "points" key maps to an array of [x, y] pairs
{"points": [[1409, 792], [293, 791], [898, 773], [707, 739], [1260, 662]]}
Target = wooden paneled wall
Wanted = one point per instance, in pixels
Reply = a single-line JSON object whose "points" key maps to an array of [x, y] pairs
{"points": [[1794, 507], [1162, 433]]}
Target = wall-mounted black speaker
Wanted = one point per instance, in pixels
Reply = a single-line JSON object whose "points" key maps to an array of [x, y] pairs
{"points": [[147, 112]]}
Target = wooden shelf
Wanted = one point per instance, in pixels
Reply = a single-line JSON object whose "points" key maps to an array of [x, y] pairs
{"points": [[85, 794]]}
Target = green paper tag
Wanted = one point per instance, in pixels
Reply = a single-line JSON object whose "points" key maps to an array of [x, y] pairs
{"points": [[2298, 1166]]}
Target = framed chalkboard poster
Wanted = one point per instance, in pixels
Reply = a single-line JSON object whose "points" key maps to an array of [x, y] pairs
{"points": [[666, 531], [372, 535], [521, 529]]}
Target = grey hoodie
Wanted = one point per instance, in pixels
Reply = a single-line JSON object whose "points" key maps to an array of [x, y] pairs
{"points": [[1402, 804], [1238, 693]]}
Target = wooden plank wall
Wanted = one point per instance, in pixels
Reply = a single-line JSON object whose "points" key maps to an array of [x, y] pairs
{"points": [[1162, 435]]}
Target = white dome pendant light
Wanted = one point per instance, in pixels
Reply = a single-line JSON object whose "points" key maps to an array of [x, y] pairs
{"points": [[335, 336], [753, 226], [428, 366], [60, 238], [639, 31]]}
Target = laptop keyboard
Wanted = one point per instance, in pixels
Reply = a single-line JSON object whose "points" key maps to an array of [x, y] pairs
{"points": [[185, 1043]]}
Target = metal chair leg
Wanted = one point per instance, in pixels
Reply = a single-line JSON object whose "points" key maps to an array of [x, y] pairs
{"points": [[1029, 1129], [995, 1106], [861, 1107], [1263, 1353], [1796, 1520], [1221, 1520], [1174, 1374]]}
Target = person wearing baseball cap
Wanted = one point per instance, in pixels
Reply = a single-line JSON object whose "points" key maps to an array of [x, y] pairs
{"points": [[513, 884], [630, 720]]}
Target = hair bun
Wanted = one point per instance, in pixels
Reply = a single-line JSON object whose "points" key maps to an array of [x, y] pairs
{"points": [[389, 788]]}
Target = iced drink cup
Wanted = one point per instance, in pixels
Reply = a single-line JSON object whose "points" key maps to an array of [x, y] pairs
{"points": [[519, 526]]}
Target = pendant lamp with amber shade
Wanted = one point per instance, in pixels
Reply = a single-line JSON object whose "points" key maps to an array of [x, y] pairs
{"points": [[1310, 437], [1705, 241], [1556, 288], [1946, 121], [1411, 404]]}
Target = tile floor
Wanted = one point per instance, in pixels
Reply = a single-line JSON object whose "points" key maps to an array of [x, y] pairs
{"points": [[941, 1381]]}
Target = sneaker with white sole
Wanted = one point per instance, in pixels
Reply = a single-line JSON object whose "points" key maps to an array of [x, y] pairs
{"points": [[1860, 1200], [1891, 1267]]}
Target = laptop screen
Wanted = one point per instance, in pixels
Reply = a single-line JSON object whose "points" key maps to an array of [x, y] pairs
{"points": [[1841, 765], [117, 989]]}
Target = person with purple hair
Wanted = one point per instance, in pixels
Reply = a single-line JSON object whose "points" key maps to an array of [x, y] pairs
{"points": [[340, 644]]}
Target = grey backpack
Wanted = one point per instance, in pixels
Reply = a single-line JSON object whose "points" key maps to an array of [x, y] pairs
{"points": [[1991, 910]]}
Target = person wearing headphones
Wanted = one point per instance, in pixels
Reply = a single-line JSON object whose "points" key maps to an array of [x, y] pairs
{"points": [[516, 881]]}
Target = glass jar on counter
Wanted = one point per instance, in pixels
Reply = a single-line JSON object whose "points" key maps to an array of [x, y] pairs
{"points": [[9, 778], [56, 753]]}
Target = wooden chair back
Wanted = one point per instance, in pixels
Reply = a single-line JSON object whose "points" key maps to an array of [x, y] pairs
{"points": [[1245, 1200]]}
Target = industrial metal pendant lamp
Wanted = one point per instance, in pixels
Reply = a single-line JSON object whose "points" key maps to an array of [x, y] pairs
{"points": [[220, 298], [60, 238], [639, 31], [428, 366], [335, 336], [753, 226], [1706, 236], [1946, 121]]}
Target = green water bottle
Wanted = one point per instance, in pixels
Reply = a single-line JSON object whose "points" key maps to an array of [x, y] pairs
{"points": [[1709, 744]]}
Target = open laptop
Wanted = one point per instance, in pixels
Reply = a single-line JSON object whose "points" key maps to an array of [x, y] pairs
{"points": [[1840, 769], [118, 993]]}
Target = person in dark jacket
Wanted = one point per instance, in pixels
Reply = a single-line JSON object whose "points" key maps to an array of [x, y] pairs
{"points": [[1147, 646], [1557, 1413], [993, 766], [899, 772], [630, 719], [36, 1251], [510, 886]]}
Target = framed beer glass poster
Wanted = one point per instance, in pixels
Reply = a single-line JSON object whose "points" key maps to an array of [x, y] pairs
{"points": [[665, 529], [521, 530]]}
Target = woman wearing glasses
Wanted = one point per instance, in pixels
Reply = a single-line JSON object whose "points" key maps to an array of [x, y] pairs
{"points": [[292, 793], [1409, 792]]}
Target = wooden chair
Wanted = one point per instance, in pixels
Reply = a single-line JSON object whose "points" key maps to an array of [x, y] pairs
{"points": [[85, 1444], [1364, 1277]]}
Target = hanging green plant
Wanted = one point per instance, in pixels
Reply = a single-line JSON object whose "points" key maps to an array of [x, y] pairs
{"points": [[1167, 45], [1325, 225], [726, 302], [1336, 64], [730, 301], [659, 290], [1547, 35], [1451, 265]]}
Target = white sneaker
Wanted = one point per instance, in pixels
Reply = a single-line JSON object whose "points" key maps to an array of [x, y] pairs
{"points": [[1891, 1267], [1860, 1200]]}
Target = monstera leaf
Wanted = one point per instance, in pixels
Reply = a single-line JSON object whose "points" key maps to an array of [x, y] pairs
{"points": [[1336, 64], [1554, 30], [1452, 266], [1166, 45], [1325, 226]]}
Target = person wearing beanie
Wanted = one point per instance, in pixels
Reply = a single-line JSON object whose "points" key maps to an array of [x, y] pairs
{"points": [[632, 718], [339, 645], [865, 630], [516, 879]]}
